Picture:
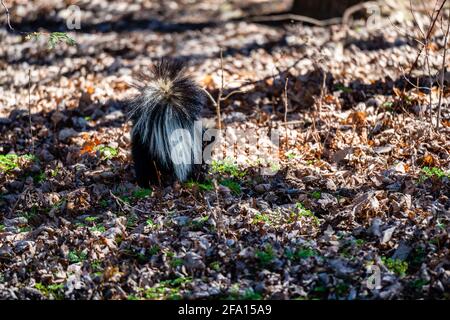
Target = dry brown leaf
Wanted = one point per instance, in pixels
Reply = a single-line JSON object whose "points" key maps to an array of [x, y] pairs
{"points": [[357, 118]]}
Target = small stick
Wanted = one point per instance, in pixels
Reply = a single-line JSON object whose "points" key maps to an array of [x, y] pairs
{"points": [[429, 32], [219, 99], [286, 106], [441, 91], [297, 18], [8, 16], [29, 111]]}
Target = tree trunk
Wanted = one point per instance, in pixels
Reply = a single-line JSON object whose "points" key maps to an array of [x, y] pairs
{"points": [[322, 9]]}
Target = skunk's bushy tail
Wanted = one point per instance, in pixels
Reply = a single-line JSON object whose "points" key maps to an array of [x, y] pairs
{"points": [[169, 100]]}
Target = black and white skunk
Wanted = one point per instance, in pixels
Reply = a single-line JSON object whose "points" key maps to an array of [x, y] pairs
{"points": [[163, 115]]}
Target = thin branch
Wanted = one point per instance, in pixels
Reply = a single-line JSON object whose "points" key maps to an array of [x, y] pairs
{"points": [[231, 94], [219, 99], [286, 107], [427, 37], [210, 97], [441, 91], [29, 111], [297, 18], [8, 16]]}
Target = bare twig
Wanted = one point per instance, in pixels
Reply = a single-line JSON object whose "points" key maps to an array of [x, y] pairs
{"points": [[428, 35], [219, 99], [232, 93], [8, 16], [29, 111], [441, 91], [286, 107], [297, 18], [130, 208]]}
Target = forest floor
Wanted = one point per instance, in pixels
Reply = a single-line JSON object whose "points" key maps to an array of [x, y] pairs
{"points": [[358, 207]]}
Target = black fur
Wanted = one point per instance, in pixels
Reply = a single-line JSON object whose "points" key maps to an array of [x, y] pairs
{"points": [[169, 99]]}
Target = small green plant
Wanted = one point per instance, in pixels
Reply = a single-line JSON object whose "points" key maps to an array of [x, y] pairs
{"points": [[316, 195], [53, 38], [266, 256], [96, 266], [291, 155], [215, 265], [417, 257], [232, 185], [142, 193], [167, 289], [303, 212], [91, 219], [155, 249], [433, 172], [103, 203], [418, 284], [300, 253], [198, 223], [150, 223], [176, 262], [39, 177], [55, 290], [76, 256], [132, 220], [25, 229], [107, 152], [98, 228], [261, 218], [396, 266], [248, 294], [204, 186], [10, 162], [2, 227], [227, 167]]}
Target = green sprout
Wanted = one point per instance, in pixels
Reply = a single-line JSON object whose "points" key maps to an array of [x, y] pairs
{"points": [[142, 193], [227, 167], [303, 212], [54, 38], [204, 186], [396, 266], [107, 152], [76, 256], [265, 256], [10, 162], [232, 185]]}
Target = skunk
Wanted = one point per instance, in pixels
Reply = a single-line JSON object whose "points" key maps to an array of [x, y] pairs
{"points": [[168, 100]]}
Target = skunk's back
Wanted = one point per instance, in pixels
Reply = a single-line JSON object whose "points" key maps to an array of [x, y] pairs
{"points": [[167, 83]]}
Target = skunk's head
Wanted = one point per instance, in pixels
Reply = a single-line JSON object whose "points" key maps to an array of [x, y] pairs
{"points": [[167, 85]]}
